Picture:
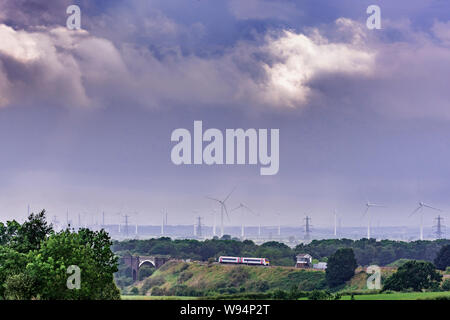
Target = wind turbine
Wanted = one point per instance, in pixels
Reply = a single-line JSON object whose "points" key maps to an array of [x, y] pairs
{"points": [[279, 224], [135, 213], [335, 223], [163, 221], [420, 208], [215, 222], [223, 208], [242, 207], [368, 206]]}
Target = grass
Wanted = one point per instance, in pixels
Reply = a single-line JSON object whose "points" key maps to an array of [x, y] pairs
{"points": [[129, 297], [222, 278], [399, 296]]}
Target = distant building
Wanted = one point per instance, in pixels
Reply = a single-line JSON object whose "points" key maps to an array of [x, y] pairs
{"points": [[320, 266], [303, 261]]}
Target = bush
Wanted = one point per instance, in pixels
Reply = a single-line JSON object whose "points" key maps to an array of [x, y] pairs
{"points": [[413, 276], [152, 282], [184, 276], [134, 291], [145, 271], [279, 294], [157, 291], [19, 287], [442, 260], [238, 276], [320, 295], [445, 286]]}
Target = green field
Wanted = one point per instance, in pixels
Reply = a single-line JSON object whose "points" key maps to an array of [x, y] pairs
{"points": [[383, 296], [399, 296], [128, 297]]}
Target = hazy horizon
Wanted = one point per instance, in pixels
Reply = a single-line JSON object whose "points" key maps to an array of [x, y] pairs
{"points": [[86, 116]]}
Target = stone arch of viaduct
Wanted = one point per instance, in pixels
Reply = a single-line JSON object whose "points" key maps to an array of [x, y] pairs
{"points": [[136, 262]]}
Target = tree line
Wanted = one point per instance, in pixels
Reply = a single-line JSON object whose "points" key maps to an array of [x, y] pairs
{"points": [[367, 251], [34, 262]]}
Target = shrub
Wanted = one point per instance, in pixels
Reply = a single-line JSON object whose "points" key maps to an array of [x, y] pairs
{"points": [[152, 282], [185, 276], [320, 295], [238, 276], [413, 276], [445, 286], [279, 294], [157, 291], [134, 291], [442, 260], [19, 287], [145, 271]]}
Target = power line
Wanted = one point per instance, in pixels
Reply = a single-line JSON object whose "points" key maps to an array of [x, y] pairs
{"points": [[439, 227]]}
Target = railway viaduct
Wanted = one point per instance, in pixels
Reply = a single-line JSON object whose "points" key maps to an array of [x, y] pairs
{"points": [[135, 262]]}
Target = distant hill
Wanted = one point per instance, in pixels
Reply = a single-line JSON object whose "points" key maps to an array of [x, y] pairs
{"points": [[202, 279]]}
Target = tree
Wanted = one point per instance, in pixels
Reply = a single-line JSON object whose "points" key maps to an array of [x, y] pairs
{"points": [[442, 260], [27, 236], [340, 267], [413, 275], [11, 263], [446, 285], [19, 287], [89, 251]]}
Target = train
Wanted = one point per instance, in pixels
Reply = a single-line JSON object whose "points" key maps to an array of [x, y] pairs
{"points": [[244, 260]]}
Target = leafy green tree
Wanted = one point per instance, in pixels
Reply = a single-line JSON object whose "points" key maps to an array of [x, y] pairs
{"points": [[320, 295], [27, 236], [19, 287], [11, 263], [48, 266], [446, 285], [413, 275], [145, 271], [442, 260], [8, 232], [340, 267]]}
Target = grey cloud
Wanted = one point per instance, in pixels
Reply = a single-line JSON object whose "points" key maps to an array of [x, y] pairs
{"points": [[88, 68]]}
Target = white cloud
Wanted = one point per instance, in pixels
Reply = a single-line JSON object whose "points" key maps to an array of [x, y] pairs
{"points": [[300, 59], [54, 66], [75, 68]]}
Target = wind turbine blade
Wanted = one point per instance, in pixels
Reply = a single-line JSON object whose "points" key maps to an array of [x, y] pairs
{"points": [[238, 207], [367, 210], [229, 194], [417, 209], [251, 211], [226, 211], [214, 199], [425, 205]]}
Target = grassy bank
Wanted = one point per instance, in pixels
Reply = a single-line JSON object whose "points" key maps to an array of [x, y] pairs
{"points": [[400, 296], [193, 279]]}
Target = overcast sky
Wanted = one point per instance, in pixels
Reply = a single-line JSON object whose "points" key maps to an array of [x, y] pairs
{"points": [[86, 116]]}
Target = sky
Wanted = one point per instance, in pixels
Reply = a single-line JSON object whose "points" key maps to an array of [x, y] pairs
{"points": [[86, 115]]}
